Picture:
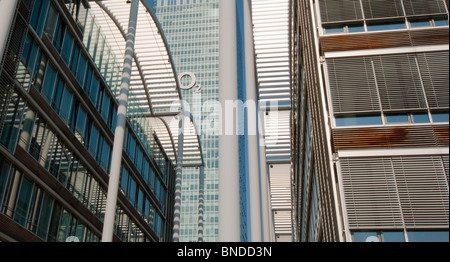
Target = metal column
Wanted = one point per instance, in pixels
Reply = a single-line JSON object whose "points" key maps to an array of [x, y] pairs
{"points": [[229, 190], [116, 160], [253, 161], [201, 200], [178, 181]]}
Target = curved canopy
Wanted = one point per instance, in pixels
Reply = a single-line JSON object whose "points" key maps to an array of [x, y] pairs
{"points": [[154, 97]]}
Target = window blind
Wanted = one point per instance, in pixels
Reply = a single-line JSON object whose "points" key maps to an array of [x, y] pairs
{"points": [[422, 7], [382, 8], [352, 84], [434, 68], [384, 192], [423, 190], [342, 10], [370, 193], [398, 82]]}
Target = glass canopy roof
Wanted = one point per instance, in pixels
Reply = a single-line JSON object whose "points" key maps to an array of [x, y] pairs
{"points": [[154, 98]]}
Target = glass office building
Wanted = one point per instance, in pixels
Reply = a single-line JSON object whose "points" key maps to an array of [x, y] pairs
{"points": [[370, 120], [192, 31], [60, 72]]}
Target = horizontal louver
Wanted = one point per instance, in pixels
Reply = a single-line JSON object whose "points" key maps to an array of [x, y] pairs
{"points": [[384, 192], [370, 193], [382, 8], [359, 84], [434, 68], [332, 10], [422, 7], [399, 82], [352, 84], [423, 190], [445, 163]]}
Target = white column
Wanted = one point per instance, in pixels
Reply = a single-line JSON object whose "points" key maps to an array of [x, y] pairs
{"points": [[201, 203], [229, 211], [252, 113], [116, 160], [178, 180], [7, 8]]}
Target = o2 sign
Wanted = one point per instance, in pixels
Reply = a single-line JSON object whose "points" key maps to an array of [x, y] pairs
{"points": [[192, 84]]}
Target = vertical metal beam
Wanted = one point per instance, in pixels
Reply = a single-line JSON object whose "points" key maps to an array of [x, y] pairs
{"points": [[229, 190], [252, 114], [116, 160], [178, 181], [201, 200], [8, 7]]}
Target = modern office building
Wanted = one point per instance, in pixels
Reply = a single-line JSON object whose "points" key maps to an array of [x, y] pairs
{"points": [[192, 31], [61, 77], [370, 120]]}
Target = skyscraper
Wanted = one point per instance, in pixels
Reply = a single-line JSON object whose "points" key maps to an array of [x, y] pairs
{"points": [[370, 120], [192, 32]]}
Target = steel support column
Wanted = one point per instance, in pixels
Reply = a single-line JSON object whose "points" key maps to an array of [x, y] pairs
{"points": [[116, 160]]}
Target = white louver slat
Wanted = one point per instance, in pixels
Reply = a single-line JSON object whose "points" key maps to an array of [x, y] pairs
{"points": [[387, 192]]}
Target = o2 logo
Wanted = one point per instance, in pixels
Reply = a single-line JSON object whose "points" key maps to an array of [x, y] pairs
{"points": [[192, 83]]}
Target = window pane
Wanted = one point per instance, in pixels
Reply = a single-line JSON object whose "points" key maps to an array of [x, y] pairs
{"points": [[393, 25], [421, 118], [440, 117], [393, 237], [366, 237], [331, 29], [428, 236], [355, 28], [420, 23], [441, 21], [358, 120], [397, 118]]}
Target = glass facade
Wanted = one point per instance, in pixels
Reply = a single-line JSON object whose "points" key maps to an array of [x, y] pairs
{"points": [[192, 31], [60, 120]]}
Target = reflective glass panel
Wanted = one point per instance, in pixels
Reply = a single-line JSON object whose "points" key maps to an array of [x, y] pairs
{"points": [[393, 237], [361, 120], [366, 237], [428, 236]]}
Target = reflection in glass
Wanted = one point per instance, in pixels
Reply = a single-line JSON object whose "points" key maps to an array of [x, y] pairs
{"points": [[366, 237]]}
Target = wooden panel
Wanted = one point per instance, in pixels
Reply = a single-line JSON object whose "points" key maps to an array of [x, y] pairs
{"points": [[391, 137], [365, 41]]}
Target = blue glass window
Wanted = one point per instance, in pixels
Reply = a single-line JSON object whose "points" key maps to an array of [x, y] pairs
{"points": [[397, 118], [420, 23], [428, 236], [366, 237], [442, 21], [387, 25], [420, 118], [49, 83], [397, 236], [358, 120], [440, 117], [357, 28], [333, 29]]}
